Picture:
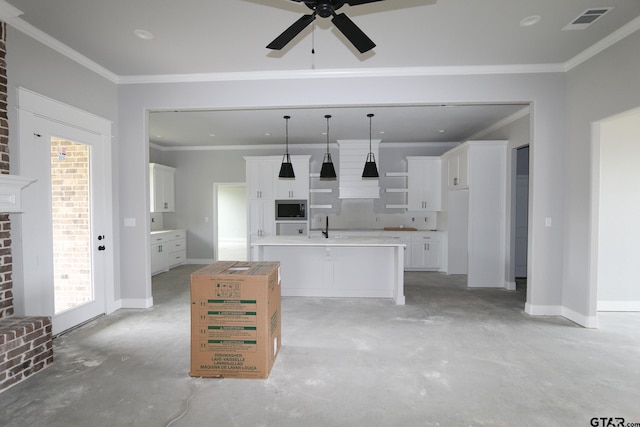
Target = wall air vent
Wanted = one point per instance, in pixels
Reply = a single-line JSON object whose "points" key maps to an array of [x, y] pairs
{"points": [[586, 18]]}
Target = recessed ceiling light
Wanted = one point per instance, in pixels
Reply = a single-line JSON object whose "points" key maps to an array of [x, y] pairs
{"points": [[381, 132], [267, 134], [212, 134], [143, 34], [530, 20], [442, 131]]}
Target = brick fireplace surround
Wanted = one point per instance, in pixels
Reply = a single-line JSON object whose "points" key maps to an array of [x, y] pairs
{"points": [[26, 344]]}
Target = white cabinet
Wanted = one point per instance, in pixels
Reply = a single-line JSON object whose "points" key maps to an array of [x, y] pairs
{"points": [[297, 188], [458, 169], [162, 191], [261, 219], [260, 176], [403, 237], [424, 184], [476, 213], [264, 187], [168, 249], [426, 251]]}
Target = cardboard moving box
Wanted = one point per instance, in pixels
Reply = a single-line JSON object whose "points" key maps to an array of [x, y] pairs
{"points": [[235, 319]]}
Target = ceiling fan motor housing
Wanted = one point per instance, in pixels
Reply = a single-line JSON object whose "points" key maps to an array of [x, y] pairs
{"points": [[324, 8]]}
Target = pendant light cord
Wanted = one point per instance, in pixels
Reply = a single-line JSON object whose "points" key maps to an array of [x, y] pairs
{"points": [[286, 141], [370, 116], [327, 117]]}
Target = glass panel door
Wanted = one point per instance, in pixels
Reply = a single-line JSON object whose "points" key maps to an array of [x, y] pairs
{"points": [[71, 223]]}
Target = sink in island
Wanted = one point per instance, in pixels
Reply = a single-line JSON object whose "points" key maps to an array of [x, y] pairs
{"points": [[357, 267]]}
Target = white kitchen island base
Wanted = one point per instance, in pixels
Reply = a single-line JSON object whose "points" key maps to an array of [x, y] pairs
{"points": [[358, 267]]}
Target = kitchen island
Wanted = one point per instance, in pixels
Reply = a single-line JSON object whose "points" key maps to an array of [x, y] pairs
{"points": [[358, 267]]}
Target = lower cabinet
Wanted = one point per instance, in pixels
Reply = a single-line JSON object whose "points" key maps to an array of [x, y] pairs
{"points": [[426, 251], [168, 250]]}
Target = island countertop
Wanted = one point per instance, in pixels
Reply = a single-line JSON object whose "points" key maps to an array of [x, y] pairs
{"points": [[331, 241]]}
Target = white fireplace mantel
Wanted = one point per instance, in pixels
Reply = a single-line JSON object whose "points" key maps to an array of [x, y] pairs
{"points": [[11, 192]]}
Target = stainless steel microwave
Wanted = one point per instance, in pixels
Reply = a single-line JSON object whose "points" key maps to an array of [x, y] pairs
{"points": [[291, 210]]}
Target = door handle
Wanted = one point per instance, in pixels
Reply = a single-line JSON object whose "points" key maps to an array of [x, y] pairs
{"points": [[101, 248]]}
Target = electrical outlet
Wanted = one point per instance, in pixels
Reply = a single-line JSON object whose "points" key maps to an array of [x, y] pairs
{"points": [[426, 219], [413, 220]]}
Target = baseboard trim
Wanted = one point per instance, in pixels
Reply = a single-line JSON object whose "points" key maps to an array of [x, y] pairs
{"points": [[510, 286], [618, 305], [200, 261], [543, 310], [590, 322], [136, 302]]}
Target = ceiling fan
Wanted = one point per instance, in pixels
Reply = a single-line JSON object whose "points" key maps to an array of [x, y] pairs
{"points": [[327, 8]]}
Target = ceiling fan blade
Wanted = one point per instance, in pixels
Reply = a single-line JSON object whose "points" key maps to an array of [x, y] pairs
{"points": [[288, 34], [353, 33], [357, 2]]}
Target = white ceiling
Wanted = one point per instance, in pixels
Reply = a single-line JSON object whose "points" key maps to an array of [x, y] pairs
{"points": [[218, 37]]}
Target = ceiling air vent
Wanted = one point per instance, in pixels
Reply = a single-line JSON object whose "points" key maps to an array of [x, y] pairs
{"points": [[587, 18]]}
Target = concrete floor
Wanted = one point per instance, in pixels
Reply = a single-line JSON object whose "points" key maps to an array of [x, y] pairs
{"points": [[450, 357]]}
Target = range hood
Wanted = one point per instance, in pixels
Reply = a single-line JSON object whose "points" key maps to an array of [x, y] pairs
{"points": [[353, 153]]}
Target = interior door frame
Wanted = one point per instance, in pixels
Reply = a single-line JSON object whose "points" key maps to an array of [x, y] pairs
{"points": [[32, 107]]}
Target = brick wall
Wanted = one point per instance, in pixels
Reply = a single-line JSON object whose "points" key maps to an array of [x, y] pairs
{"points": [[6, 284], [26, 347], [26, 344]]}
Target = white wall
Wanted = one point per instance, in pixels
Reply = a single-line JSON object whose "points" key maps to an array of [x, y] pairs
{"points": [[37, 68], [545, 91], [197, 170], [618, 213], [600, 88]]}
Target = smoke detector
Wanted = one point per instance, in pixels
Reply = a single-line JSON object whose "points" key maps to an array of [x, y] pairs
{"points": [[586, 18]]}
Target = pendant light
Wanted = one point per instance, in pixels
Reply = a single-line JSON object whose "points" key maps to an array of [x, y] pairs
{"points": [[286, 169], [328, 172], [370, 168]]}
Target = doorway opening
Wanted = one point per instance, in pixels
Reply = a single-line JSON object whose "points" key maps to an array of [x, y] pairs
{"points": [[521, 215], [230, 226], [615, 238]]}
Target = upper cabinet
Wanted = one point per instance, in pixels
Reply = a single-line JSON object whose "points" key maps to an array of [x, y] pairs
{"points": [[458, 168], [263, 181], [298, 187], [162, 191], [260, 176], [424, 184]]}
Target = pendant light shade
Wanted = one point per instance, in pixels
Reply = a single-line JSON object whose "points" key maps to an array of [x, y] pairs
{"points": [[370, 168], [328, 171], [286, 169]]}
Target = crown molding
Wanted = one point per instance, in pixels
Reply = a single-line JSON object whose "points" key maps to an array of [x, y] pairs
{"points": [[344, 73], [280, 147], [11, 16], [509, 119], [8, 12], [603, 44]]}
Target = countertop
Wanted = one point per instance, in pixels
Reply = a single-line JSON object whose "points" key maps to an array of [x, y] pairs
{"points": [[165, 231], [331, 241]]}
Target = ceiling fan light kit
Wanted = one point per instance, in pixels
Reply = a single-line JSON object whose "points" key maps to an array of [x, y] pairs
{"points": [[325, 9]]}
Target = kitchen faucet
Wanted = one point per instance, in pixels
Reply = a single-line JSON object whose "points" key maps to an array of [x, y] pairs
{"points": [[325, 233]]}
